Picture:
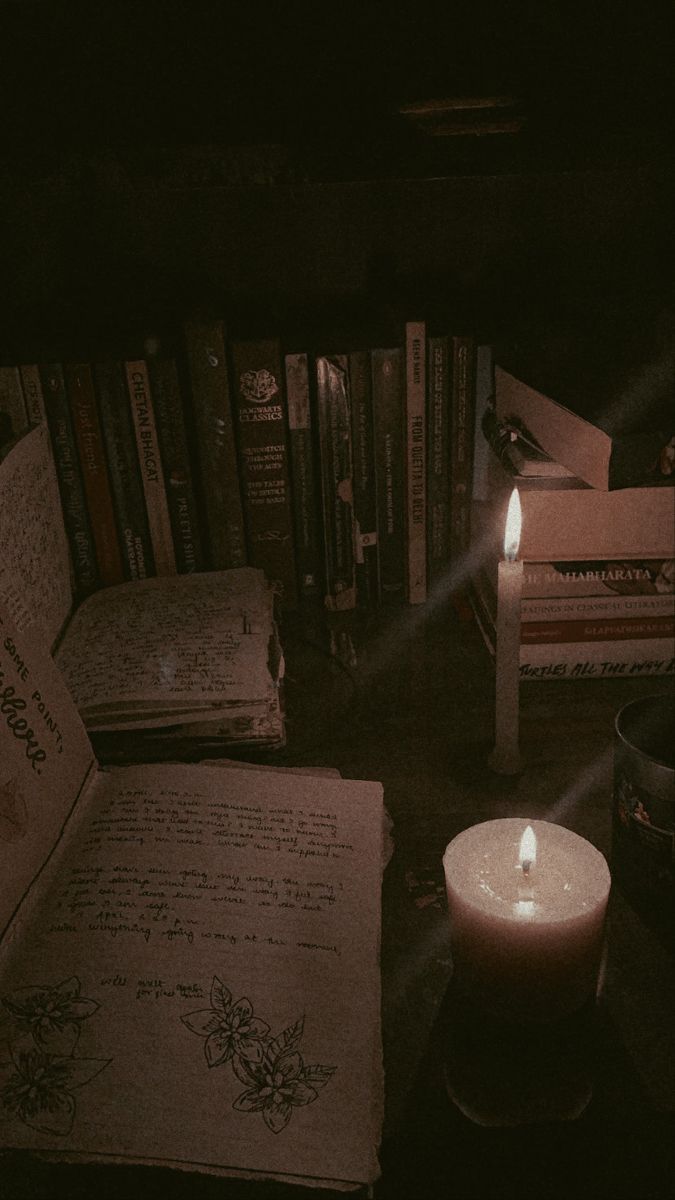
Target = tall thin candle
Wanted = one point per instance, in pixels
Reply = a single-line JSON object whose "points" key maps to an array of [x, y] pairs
{"points": [[505, 757]]}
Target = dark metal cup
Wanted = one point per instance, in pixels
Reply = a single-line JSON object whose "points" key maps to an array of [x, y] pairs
{"points": [[643, 825]]}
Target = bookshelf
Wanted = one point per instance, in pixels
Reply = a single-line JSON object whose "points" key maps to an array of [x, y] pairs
{"points": [[172, 157]]}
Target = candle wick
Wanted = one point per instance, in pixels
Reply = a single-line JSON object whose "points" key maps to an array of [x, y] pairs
{"points": [[527, 863]]}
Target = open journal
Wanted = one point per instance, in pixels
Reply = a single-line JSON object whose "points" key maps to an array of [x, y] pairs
{"points": [[194, 655], [189, 968]]}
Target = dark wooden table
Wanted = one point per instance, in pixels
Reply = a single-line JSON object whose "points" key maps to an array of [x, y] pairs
{"points": [[415, 711]]}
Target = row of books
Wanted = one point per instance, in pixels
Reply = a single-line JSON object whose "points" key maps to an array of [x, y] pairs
{"points": [[345, 477]]}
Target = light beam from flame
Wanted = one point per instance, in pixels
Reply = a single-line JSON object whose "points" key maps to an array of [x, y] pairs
{"points": [[514, 519], [528, 849]]}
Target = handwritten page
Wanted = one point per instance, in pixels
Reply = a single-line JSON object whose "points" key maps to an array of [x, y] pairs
{"points": [[35, 579], [45, 757], [162, 647], [208, 945]]}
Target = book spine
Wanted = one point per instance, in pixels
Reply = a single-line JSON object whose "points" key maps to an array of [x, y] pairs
{"points": [[124, 470], [82, 400], [32, 393], [335, 457], [598, 660], [438, 459], [142, 411], [260, 414], [597, 630], [461, 444], [415, 476], [639, 579], [303, 476], [75, 514], [483, 402], [585, 608], [388, 419], [176, 464], [215, 443], [366, 549], [12, 403]]}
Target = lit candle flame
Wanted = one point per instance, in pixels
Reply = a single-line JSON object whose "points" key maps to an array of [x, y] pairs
{"points": [[528, 850], [514, 519]]}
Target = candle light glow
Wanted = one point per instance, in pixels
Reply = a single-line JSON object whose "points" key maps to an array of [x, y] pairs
{"points": [[514, 521], [527, 855]]}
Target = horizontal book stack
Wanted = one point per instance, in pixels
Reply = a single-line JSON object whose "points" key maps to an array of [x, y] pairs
{"points": [[598, 594]]}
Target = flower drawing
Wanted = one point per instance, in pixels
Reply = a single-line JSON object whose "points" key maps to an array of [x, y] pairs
{"points": [[50, 1015], [230, 1028], [276, 1086], [276, 1077], [38, 1087]]}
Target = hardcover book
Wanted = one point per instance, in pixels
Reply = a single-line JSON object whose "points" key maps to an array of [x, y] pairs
{"points": [[12, 404], [176, 464], [188, 655], [335, 458], [366, 546], [388, 373], [32, 393], [73, 502], [438, 459], [259, 406], [124, 469], [304, 485], [152, 472], [84, 412], [416, 483], [211, 403], [461, 443], [189, 954]]}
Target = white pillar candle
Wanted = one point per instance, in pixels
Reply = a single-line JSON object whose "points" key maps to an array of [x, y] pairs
{"points": [[527, 914], [505, 757]]}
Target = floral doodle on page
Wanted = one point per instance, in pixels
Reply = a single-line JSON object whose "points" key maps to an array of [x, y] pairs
{"points": [[38, 1081], [276, 1076]]}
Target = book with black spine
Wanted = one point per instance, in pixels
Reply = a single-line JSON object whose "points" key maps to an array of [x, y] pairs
{"points": [[259, 407], [12, 403], [124, 469], [176, 463], [335, 469], [366, 546], [152, 473], [416, 450], [461, 444], [32, 393], [388, 375], [438, 458], [71, 488], [308, 548], [94, 467], [208, 385]]}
